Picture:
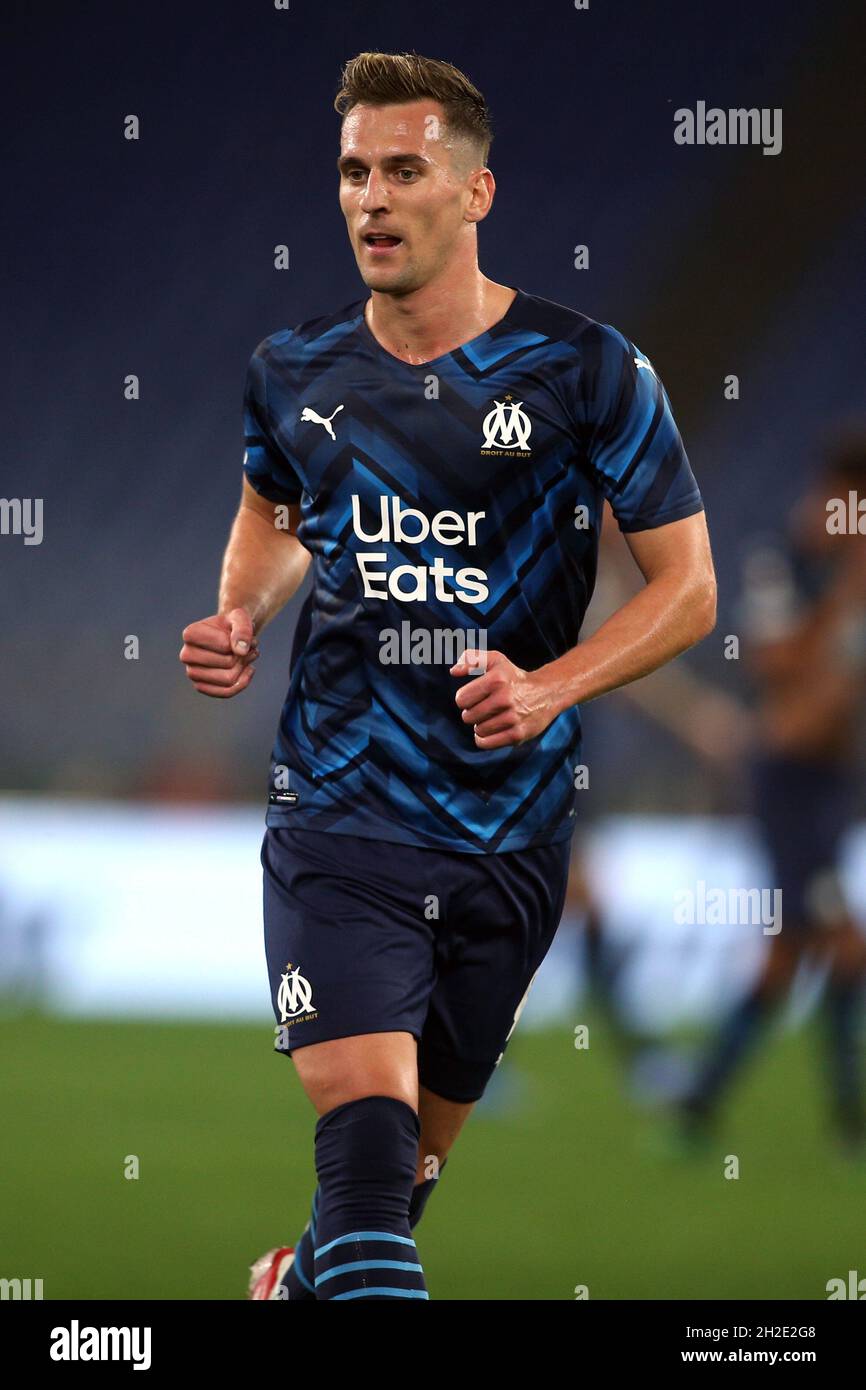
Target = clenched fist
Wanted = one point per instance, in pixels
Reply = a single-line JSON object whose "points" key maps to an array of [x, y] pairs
{"points": [[505, 705], [219, 653]]}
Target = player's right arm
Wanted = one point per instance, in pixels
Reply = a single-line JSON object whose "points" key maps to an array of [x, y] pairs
{"points": [[263, 567]]}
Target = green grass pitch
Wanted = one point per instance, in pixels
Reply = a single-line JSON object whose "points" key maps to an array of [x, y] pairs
{"points": [[557, 1181]]}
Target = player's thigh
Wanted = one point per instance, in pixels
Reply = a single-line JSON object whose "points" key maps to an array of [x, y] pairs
{"points": [[498, 929], [345, 1069], [351, 962]]}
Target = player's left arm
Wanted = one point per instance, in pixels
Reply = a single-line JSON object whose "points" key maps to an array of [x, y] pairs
{"points": [[674, 610]]}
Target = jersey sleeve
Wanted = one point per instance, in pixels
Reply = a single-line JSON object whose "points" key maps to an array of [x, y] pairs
{"points": [[267, 463], [633, 446]]}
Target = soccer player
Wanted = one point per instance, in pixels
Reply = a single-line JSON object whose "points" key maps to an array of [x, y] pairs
{"points": [[439, 450], [805, 627]]}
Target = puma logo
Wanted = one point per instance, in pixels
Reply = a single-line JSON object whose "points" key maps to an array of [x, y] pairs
{"points": [[309, 414]]}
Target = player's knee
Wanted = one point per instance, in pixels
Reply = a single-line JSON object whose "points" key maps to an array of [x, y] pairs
{"points": [[328, 1092], [348, 1069]]}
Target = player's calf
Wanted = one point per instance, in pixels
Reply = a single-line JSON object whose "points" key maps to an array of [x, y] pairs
{"points": [[366, 1153]]}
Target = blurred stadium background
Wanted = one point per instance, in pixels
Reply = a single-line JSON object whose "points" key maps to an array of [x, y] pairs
{"points": [[134, 1011]]}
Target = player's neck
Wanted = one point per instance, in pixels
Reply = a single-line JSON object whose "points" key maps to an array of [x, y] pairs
{"points": [[438, 317]]}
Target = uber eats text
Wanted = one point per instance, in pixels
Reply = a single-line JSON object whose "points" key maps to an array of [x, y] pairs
{"points": [[402, 525]]}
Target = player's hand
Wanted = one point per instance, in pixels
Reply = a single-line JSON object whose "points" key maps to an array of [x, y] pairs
{"points": [[505, 704], [219, 653]]}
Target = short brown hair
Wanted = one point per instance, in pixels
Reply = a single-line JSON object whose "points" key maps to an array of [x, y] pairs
{"points": [[382, 79]]}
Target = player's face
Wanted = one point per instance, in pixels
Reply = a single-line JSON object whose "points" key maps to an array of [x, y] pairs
{"points": [[401, 175]]}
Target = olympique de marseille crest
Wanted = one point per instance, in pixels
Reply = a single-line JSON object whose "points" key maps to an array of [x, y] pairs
{"points": [[506, 426], [295, 994]]}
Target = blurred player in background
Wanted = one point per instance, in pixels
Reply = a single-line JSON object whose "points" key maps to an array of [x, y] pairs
{"points": [[804, 629]]}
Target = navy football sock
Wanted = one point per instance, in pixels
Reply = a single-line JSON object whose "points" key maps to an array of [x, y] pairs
{"points": [[366, 1156], [299, 1282]]}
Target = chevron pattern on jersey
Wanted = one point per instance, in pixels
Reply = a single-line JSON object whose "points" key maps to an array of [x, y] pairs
{"points": [[440, 501]]}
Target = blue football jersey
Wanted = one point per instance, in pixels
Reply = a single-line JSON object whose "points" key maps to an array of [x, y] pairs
{"points": [[453, 503]]}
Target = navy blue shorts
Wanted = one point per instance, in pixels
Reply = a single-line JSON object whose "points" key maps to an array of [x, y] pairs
{"points": [[367, 937]]}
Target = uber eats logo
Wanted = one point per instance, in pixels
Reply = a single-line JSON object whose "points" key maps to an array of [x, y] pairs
{"points": [[401, 525]]}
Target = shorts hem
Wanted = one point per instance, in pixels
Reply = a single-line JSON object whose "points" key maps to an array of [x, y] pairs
{"points": [[447, 1076], [345, 1032]]}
